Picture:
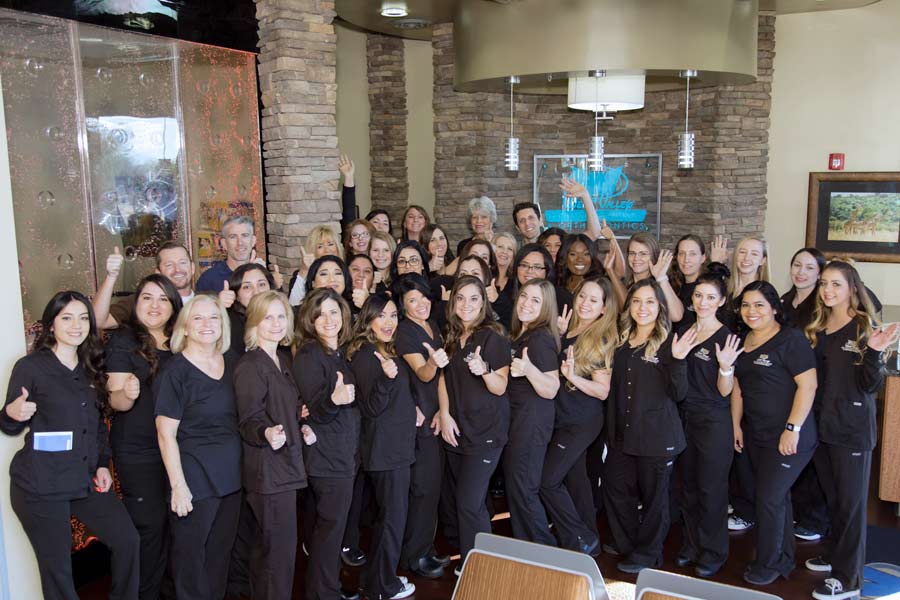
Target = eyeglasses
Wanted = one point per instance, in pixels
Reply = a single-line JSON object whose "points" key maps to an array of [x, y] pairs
{"points": [[412, 262], [360, 236], [638, 255], [528, 268]]}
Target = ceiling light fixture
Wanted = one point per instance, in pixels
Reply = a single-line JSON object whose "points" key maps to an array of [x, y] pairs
{"points": [[596, 152], [512, 143], [394, 10], [686, 139], [609, 93]]}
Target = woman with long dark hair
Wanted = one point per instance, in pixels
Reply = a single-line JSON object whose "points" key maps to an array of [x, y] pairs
{"points": [[135, 354], [850, 350], [799, 302], [774, 389], [690, 261], [242, 285], [59, 392], [578, 258]]}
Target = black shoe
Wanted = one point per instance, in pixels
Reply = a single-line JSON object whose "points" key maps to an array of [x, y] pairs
{"points": [[627, 566], [441, 559], [353, 557], [427, 568], [682, 561], [756, 578], [349, 595], [591, 548], [703, 571]]}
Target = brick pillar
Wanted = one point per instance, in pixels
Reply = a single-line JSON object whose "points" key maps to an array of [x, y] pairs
{"points": [[387, 125], [299, 93]]}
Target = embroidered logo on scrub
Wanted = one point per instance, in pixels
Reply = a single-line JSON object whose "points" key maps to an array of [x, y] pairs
{"points": [[851, 346], [703, 354], [763, 361], [651, 359]]}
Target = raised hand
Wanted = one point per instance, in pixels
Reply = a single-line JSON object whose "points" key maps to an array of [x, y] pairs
{"points": [[609, 261], [275, 436], [420, 417], [606, 231], [719, 249], [445, 294], [307, 261], [562, 321], [681, 346], [883, 338], [21, 409], [729, 352], [436, 263], [359, 296], [114, 263], [278, 277], [438, 357], [572, 188], [567, 368], [449, 429], [102, 480], [520, 367], [660, 268], [477, 366], [227, 296], [132, 387], [388, 366], [181, 500], [343, 393], [347, 169], [377, 278], [492, 292]]}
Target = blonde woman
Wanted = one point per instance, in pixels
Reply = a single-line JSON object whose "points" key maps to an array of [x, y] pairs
{"points": [[749, 263], [321, 241], [197, 427], [381, 252], [585, 366]]}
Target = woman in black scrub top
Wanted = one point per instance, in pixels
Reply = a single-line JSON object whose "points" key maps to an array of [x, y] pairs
{"points": [[800, 301], [690, 260], [135, 354], [850, 351], [585, 360], [197, 428], [704, 465], [534, 262], [61, 387], [327, 390], [532, 390], [420, 345], [268, 404], [474, 406], [774, 389], [389, 422], [331, 272], [244, 282], [644, 432]]}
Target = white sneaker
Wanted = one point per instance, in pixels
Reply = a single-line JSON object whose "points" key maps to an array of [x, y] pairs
{"points": [[738, 524], [408, 590], [818, 564], [457, 570], [403, 579], [730, 509]]}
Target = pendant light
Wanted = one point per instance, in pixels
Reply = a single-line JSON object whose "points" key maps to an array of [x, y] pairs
{"points": [[686, 139], [596, 152], [512, 143]]}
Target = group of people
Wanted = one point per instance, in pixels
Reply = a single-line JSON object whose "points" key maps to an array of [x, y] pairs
{"points": [[401, 375]]}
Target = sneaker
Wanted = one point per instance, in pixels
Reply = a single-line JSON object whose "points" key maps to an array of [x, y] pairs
{"points": [[803, 533], [738, 524], [730, 509], [627, 566], [457, 570], [833, 589], [408, 590], [353, 557], [818, 564]]}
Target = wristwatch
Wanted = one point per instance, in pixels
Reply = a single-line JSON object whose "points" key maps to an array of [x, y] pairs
{"points": [[792, 427]]}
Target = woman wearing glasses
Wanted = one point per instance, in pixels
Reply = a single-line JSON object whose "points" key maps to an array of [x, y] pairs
{"points": [[409, 257], [534, 262], [358, 236]]}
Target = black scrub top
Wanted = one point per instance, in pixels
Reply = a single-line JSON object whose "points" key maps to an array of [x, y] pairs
{"points": [[563, 298], [66, 402], [504, 305], [482, 417], [703, 373], [849, 379], [574, 407], [642, 413], [388, 412], [410, 340], [238, 320], [686, 295], [267, 396], [531, 415], [336, 427], [208, 437], [133, 432], [801, 315], [766, 377]]}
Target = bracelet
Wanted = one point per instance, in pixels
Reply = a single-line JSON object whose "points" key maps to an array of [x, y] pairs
{"points": [[661, 279], [727, 373]]}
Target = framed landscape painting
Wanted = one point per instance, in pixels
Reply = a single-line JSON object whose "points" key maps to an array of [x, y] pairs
{"points": [[855, 214]]}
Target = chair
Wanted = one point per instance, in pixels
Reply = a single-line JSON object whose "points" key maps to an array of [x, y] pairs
{"points": [[662, 585], [503, 568]]}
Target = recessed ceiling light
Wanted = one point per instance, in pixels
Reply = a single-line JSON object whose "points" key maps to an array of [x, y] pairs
{"points": [[394, 10]]}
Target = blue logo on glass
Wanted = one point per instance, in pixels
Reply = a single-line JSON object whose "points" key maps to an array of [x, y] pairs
{"points": [[604, 187]]}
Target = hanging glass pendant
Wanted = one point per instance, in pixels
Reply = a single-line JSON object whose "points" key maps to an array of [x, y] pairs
{"points": [[512, 154], [596, 156]]}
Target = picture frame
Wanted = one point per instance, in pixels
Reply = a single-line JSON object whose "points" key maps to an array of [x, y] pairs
{"points": [[855, 214]]}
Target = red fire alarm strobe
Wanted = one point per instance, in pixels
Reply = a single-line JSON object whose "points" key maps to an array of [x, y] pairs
{"points": [[836, 162]]}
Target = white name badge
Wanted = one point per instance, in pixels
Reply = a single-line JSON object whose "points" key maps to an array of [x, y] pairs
{"points": [[53, 441]]}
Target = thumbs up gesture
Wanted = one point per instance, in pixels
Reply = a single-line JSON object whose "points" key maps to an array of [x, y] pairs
{"points": [[520, 367], [438, 357], [132, 387], [227, 296], [275, 436], [278, 277], [477, 366], [445, 294], [359, 296], [343, 393], [21, 409], [388, 365], [492, 292], [114, 263]]}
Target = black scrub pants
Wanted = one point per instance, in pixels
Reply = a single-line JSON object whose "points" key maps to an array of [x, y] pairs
{"points": [[201, 547], [808, 500], [631, 480], [391, 488], [244, 541], [564, 470], [844, 474], [332, 497], [742, 484], [361, 497], [774, 475], [468, 476], [49, 529], [523, 462], [424, 497], [145, 494], [703, 469], [274, 554]]}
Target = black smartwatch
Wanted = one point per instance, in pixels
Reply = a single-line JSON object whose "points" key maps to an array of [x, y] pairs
{"points": [[792, 427]]}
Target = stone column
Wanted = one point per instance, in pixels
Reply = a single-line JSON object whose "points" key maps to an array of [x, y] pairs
{"points": [[387, 125], [299, 134]]}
